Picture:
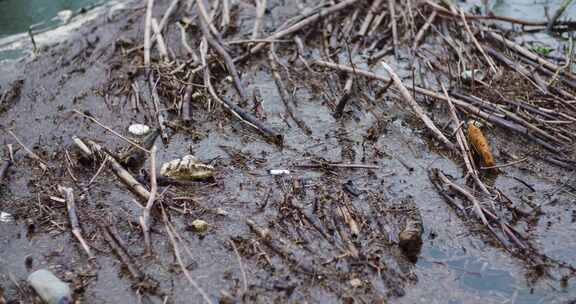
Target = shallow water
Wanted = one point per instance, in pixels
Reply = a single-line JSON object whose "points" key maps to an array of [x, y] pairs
{"points": [[17, 16]]}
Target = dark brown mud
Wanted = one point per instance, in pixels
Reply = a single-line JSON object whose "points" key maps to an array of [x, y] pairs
{"points": [[322, 234]]}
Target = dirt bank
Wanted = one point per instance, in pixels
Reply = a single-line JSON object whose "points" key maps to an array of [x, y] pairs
{"points": [[328, 231]]}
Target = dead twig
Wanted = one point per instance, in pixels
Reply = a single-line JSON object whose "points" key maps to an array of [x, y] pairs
{"points": [[171, 234], [74, 223], [416, 107], [145, 218], [42, 164]]}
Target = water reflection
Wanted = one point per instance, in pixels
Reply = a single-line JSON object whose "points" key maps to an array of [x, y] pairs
{"points": [[17, 15]]}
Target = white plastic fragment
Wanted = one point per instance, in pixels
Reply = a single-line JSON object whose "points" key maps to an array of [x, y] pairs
{"points": [[139, 129], [6, 217], [51, 289], [278, 172], [467, 75]]}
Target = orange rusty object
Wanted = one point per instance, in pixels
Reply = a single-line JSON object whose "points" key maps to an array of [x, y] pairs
{"points": [[480, 144]]}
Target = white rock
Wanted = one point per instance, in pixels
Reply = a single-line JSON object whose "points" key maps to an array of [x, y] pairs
{"points": [[139, 129], [49, 287]]}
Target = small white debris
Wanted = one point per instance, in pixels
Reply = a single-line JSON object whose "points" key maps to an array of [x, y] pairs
{"points": [[199, 225], [356, 282], [279, 172], [57, 199], [65, 15], [50, 288], [139, 129], [6, 217], [467, 75]]}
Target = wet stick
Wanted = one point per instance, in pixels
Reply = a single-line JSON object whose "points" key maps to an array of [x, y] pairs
{"points": [[557, 14], [245, 117], [528, 54], [122, 254], [160, 41], [156, 102], [74, 223], [323, 13], [94, 120], [392, 10], [122, 173], [216, 44], [225, 15], [350, 81], [42, 164], [416, 107], [283, 248], [274, 63], [186, 111], [477, 44], [478, 210], [173, 234], [244, 277], [147, 31], [462, 105], [463, 143], [423, 29], [260, 10], [145, 218]]}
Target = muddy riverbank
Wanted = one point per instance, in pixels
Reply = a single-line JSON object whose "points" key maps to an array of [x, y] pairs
{"points": [[327, 232]]}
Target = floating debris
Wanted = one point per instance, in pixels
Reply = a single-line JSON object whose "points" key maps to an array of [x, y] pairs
{"points": [[51, 289], [139, 129], [187, 168]]}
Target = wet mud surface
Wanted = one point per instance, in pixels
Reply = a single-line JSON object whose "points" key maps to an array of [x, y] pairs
{"points": [[321, 234]]}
